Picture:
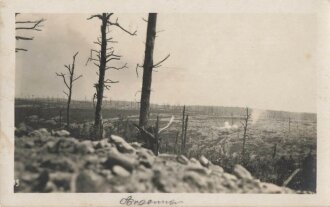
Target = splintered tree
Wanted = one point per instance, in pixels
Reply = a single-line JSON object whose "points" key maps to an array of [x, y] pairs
{"points": [[148, 67], [102, 58], [153, 138], [245, 123], [68, 80], [26, 25], [184, 130]]}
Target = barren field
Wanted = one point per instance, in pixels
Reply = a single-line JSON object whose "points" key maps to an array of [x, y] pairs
{"points": [[219, 138]]}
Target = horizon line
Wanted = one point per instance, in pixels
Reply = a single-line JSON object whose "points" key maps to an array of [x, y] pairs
{"points": [[255, 108]]}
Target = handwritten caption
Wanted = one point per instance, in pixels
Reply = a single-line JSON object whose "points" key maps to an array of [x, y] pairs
{"points": [[130, 201]]}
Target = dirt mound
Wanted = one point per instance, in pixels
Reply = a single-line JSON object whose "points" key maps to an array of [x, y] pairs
{"points": [[65, 164]]}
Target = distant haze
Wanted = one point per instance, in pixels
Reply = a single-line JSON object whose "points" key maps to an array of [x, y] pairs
{"points": [[264, 61]]}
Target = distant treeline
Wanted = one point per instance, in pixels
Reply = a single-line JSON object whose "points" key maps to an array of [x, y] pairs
{"points": [[221, 111]]}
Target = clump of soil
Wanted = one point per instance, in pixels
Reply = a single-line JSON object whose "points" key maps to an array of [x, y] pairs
{"points": [[47, 162]]}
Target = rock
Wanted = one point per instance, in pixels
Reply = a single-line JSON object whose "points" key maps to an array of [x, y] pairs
{"points": [[95, 144], [204, 161], [102, 144], [88, 181], [167, 157], [136, 145], [193, 160], [29, 177], [228, 176], [61, 180], [106, 173], [145, 158], [92, 162], [51, 146], [242, 173], [195, 163], [120, 171], [103, 152], [85, 147], [271, 188], [50, 187], [29, 144], [159, 180], [230, 183], [59, 164], [143, 173], [67, 145], [22, 130], [199, 170], [32, 167], [249, 186], [62, 133], [41, 182], [117, 158], [195, 179], [51, 122], [39, 133], [216, 169], [122, 145], [40, 141], [182, 159]]}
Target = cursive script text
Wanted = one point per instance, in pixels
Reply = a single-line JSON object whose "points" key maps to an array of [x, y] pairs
{"points": [[130, 201]]}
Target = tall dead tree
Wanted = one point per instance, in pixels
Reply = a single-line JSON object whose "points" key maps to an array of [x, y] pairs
{"points": [[185, 134], [26, 25], [148, 67], [102, 58], [68, 80], [184, 128], [245, 124]]}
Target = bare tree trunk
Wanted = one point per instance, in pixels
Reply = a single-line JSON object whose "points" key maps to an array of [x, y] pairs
{"points": [[100, 86], [184, 130], [100, 59], [147, 70], [156, 150], [246, 121], [185, 134], [69, 86], [68, 110]]}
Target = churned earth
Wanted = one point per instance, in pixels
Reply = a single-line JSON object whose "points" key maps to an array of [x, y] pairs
{"points": [[55, 162]]}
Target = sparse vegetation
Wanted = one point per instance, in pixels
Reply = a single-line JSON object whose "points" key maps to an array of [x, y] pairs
{"points": [[208, 135], [68, 80]]}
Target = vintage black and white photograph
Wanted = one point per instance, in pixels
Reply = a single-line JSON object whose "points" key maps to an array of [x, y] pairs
{"points": [[165, 103]]}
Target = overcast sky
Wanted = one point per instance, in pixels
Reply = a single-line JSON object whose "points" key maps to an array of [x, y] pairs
{"points": [[264, 61]]}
